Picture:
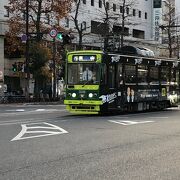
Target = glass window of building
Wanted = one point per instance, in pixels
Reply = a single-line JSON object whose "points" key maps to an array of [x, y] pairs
{"points": [[121, 9], [127, 10], [145, 15], [107, 5], [100, 3], [134, 12], [7, 11], [114, 7]]}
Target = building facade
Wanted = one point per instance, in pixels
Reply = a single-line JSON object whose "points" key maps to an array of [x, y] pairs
{"points": [[97, 20], [4, 14], [92, 17]]}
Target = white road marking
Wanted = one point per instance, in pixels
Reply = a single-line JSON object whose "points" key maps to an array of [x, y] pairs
{"points": [[158, 117], [17, 110], [45, 129], [30, 112], [127, 123], [40, 110]]}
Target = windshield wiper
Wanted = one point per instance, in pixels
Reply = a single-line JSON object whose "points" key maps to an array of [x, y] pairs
{"points": [[85, 83]]}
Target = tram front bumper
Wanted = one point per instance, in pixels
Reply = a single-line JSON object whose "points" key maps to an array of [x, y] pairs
{"points": [[83, 106]]}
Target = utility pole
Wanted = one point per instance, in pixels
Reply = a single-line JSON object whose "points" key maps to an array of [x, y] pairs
{"points": [[54, 69], [27, 50], [53, 33], [123, 19]]}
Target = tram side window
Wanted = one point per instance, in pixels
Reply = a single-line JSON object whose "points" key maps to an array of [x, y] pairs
{"points": [[73, 74], [173, 76], [119, 75], [130, 74], [177, 77], [111, 79], [165, 75], [142, 74], [153, 75]]}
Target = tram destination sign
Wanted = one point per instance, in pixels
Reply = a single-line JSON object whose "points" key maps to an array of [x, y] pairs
{"points": [[84, 58]]}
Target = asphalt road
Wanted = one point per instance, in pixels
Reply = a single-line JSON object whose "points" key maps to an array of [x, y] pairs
{"points": [[44, 142]]}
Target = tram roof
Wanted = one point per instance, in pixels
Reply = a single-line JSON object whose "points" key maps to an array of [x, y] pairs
{"points": [[123, 55], [144, 57]]}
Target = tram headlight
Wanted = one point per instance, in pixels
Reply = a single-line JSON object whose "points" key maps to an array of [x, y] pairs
{"points": [[73, 95], [90, 95]]}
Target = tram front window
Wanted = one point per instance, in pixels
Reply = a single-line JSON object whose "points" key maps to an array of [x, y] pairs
{"points": [[83, 73]]}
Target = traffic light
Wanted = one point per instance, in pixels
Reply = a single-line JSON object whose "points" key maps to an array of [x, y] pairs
{"points": [[20, 66], [65, 37], [14, 67], [59, 35]]}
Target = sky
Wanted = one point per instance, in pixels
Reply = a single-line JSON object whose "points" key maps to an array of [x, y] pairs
{"points": [[177, 7]]}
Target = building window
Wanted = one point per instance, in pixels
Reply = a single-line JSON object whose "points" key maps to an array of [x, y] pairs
{"points": [[84, 1], [138, 34], [92, 2], [117, 30], [134, 12], [47, 21], [114, 7], [107, 5], [83, 25], [99, 28], [24, 15], [145, 15], [67, 22], [100, 3], [121, 9], [127, 10], [7, 11], [139, 14]]}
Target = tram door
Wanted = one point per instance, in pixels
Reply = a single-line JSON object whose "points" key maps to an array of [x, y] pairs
{"points": [[112, 85], [120, 84]]}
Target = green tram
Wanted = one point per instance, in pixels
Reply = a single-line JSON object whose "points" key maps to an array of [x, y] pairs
{"points": [[99, 82]]}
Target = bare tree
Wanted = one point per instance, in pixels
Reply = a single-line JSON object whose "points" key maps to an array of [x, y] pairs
{"points": [[126, 5], [110, 18], [79, 26], [33, 19], [168, 26]]}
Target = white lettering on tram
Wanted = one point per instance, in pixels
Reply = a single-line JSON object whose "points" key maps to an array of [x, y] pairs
{"points": [[157, 63], [108, 98], [138, 61], [115, 58], [175, 64]]}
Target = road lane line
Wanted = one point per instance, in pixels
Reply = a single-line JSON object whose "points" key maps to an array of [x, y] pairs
{"points": [[30, 112]]}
